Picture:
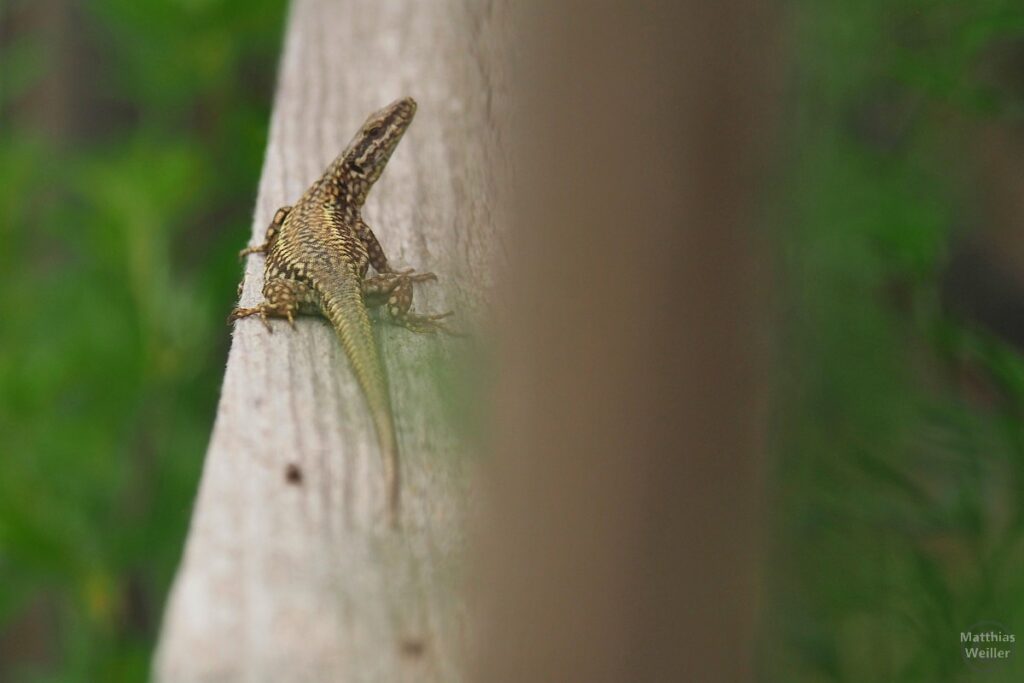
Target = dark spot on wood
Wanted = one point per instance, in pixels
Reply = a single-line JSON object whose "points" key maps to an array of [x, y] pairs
{"points": [[293, 474], [412, 647]]}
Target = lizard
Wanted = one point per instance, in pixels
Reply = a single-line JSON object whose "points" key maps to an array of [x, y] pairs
{"points": [[318, 254]]}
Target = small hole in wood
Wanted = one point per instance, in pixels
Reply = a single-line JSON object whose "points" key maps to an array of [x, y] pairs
{"points": [[412, 647]]}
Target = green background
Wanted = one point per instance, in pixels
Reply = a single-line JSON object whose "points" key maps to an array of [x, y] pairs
{"points": [[131, 137], [898, 445]]}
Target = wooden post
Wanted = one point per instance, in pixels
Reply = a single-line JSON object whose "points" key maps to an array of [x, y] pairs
{"points": [[625, 486], [289, 572]]}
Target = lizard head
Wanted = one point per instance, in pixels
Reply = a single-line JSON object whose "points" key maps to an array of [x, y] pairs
{"points": [[372, 146]]}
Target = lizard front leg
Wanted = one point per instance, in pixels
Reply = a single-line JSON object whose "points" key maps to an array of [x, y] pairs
{"points": [[373, 249], [275, 224], [285, 298]]}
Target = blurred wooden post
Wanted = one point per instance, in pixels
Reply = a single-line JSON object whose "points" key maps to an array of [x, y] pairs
{"points": [[296, 578], [623, 540]]}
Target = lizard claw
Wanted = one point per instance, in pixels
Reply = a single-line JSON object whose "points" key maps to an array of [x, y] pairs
{"points": [[429, 324], [444, 328], [411, 275], [423, 277], [239, 313], [259, 249]]}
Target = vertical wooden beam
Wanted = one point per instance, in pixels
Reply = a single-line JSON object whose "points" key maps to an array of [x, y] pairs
{"points": [[622, 544]]}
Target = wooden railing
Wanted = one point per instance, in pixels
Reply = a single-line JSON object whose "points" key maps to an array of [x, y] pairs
{"points": [[290, 572]]}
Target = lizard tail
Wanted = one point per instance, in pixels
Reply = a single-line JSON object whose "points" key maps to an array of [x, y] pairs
{"points": [[342, 302]]}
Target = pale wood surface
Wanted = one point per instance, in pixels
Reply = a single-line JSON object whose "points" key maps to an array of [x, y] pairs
{"points": [[282, 582]]}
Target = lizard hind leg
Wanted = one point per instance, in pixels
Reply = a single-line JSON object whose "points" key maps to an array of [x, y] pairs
{"points": [[285, 298], [394, 291]]}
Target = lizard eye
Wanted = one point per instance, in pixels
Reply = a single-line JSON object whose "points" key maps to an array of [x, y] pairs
{"points": [[376, 128]]}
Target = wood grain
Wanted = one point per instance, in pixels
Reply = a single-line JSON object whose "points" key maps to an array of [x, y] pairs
{"points": [[289, 572]]}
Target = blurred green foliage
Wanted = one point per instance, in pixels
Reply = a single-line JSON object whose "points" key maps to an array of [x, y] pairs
{"points": [[119, 226], [899, 436]]}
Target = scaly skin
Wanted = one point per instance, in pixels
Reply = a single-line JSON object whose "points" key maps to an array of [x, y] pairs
{"points": [[318, 254]]}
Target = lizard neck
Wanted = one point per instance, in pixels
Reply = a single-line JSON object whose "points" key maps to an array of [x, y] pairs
{"points": [[345, 189]]}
